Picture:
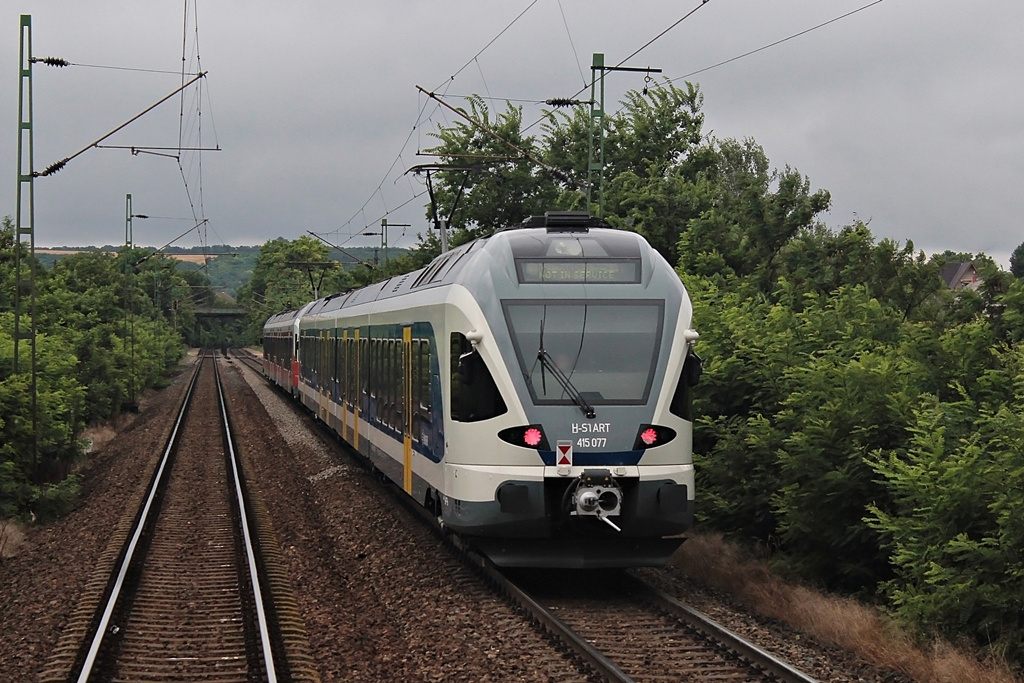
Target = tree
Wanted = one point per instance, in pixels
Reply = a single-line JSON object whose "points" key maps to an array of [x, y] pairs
{"points": [[281, 281], [1017, 261], [653, 154], [797, 393], [753, 214], [86, 369], [832, 364], [122, 340], [504, 185], [954, 530]]}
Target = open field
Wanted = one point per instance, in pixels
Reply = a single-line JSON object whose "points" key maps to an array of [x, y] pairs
{"points": [[190, 258]]}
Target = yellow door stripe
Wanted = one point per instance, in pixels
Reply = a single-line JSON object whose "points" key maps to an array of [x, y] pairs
{"points": [[355, 413], [343, 393], [407, 408]]}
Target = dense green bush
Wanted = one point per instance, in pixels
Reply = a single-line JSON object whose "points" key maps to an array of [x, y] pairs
{"points": [[955, 528], [101, 340], [52, 501]]}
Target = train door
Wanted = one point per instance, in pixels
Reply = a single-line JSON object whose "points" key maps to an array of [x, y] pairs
{"points": [[295, 361], [323, 385], [360, 373], [344, 391]]}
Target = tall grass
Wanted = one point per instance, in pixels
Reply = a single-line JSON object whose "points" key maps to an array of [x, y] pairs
{"points": [[11, 536], [843, 622]]}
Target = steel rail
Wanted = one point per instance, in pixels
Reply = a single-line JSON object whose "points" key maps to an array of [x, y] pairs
{"points": [[247, 357], [250, 552], [140, 525], [149, 510], [603, 666], [577, 643], [760, 658]]}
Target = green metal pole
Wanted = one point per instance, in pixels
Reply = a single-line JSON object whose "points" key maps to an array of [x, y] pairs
{"points": [[595, 166], [128, 221], [129, 314], [26, 205]]}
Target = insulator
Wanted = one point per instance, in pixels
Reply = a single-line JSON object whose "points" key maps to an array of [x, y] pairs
{"points": [[563, 102], [52, 61], [561, 176], [53, 168]]}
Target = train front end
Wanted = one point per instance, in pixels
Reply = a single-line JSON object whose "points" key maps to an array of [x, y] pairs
{"points": [[586, 343]]}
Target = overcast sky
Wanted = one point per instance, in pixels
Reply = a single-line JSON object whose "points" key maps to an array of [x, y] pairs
{"points": [[910, 112]]}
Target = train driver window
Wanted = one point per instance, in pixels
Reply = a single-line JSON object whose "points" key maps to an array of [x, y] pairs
{"points": [[475, 396], [682, 400]]}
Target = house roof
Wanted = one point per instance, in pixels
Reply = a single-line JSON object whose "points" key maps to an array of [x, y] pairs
{"points": [[957, 275]]}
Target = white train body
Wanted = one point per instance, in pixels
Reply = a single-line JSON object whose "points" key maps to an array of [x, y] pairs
{"points": [[528, 388]]}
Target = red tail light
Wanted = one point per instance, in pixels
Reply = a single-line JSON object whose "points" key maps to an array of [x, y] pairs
{"points": [[649, 436], [527, 436]]}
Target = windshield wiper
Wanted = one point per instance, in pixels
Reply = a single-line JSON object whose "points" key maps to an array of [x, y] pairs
{"points": [[547, 364]]}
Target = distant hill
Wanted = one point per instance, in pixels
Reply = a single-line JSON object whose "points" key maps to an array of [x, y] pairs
{"points": [[227, 267]]}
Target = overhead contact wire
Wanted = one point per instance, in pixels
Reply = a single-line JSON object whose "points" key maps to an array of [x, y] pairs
{"points": [[491, 42], [572, 45], [379, 189], [655, 38], [636, 52], [777, 42]]}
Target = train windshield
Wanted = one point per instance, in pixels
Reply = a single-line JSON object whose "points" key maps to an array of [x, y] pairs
{"points": [[606, 349]]}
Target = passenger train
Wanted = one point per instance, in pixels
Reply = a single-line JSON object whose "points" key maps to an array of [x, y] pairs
{"points": [[532, 389]]}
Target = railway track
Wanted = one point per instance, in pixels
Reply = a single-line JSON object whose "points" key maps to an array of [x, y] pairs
{"points": [[630, 631], [248, 358], [188, 597]]}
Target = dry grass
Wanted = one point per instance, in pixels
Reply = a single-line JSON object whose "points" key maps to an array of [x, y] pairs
{"points": [[98, 437], [839, 621], [11, 536]]}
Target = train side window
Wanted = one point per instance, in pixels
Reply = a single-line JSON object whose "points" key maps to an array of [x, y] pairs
{"points": [[424, 380], [364, 367], [682, 400], [335, 352], [346, 369], [397, 384], [475, 396], [373, 372], [353, 371], [388, 382]]}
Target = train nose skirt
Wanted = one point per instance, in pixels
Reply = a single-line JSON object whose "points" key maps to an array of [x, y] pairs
{"points": [[562, 553]]}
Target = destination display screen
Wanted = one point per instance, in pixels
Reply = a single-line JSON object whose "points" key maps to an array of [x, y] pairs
{"points": [[577, 271]]}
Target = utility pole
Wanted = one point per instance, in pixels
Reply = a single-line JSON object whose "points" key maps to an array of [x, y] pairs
{"points": [[25, 224], [129, 312], [442, 231], [309, 267], [595, 166], [442, 223], [128, 239], [384, 225], [129, 297]]}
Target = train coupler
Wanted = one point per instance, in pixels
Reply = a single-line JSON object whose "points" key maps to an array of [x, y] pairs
{"points": [[596, 494]]}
